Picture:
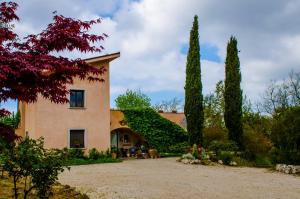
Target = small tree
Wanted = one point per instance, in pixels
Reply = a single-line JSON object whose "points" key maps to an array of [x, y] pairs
{"points": [[38, 167], [233, 94], [193, 107], [132, 100]]}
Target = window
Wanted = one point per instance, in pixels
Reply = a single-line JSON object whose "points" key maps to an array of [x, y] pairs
{"points": [[77, 139], [126, 139], [77, 98]]}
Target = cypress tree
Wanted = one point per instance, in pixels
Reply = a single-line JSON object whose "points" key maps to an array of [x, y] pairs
{"points": [[193, 107], [233, 93]]}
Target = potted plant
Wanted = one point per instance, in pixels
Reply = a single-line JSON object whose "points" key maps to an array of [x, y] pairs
{"points": [[114, 152], [153, 152]]}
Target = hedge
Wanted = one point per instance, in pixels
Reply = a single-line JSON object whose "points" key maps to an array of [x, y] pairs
{"points": [[160, 133]]}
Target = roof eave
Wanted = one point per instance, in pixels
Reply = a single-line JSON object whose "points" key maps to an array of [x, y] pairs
{"points": [[108, 57]]}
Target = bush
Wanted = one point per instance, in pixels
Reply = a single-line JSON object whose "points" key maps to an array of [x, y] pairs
{"points": [[286, 135], [263, 161], [226, 157], [214, 133], [179, 148], [159, 132], [218, 146], [195, 151], [94, 154], [243, 162], [80, 161], [76, 153], [188, 156], [39, 167], [255, 143], [286, 157]]}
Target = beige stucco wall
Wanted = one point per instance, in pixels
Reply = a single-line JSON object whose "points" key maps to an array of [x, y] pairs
{"points": [[53, 121], [116, 117]]}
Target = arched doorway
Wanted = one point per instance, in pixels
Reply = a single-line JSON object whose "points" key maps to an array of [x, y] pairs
{"points": [[126, 141]]}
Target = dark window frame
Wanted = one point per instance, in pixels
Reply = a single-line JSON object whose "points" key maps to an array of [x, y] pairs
{"points": [[82, 144], [75, 101]]}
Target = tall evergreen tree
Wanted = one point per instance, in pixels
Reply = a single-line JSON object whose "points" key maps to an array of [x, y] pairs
{"points": [[233, 93], [193, 107]]}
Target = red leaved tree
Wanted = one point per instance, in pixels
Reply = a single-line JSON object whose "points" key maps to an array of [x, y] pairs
{"points": [[28, 67]]}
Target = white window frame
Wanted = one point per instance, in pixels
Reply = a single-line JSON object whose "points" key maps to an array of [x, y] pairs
{"points": [[84, 139]]}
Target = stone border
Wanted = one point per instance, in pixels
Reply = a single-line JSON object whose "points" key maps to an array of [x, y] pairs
{"points": [[288, 169]]}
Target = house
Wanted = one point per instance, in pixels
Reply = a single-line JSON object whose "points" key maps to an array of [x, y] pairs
{"points": [[82, 123], [86, 121]]}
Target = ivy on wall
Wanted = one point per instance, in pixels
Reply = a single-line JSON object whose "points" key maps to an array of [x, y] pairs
{"points": [[159, 132]]}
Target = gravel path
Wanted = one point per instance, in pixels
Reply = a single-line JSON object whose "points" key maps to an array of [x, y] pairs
{"points": [[166, 179]]}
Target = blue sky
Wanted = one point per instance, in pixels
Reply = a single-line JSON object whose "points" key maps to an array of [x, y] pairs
{"points": [[153, 35]]}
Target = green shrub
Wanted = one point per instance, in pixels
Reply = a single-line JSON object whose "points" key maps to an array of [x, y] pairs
{"points": [[218, 146], [243, 162], [28, 160], [255, 143], [80, 161], [213, 156], [94, 154], [160, 133], [188, 156], [285, 134], [204, 155], [226, 157], [195, 151], [165, 155], [179, 147], [213, 133], [76, 153], [263, 161], [286, 157]]}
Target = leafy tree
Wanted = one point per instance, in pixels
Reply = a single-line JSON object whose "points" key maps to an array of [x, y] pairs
{"points": [[29, 67], [233, 94], [214, 107], [132, 100], [286, 135], [193, 107]]}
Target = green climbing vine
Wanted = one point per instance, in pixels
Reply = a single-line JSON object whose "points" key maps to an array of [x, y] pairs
{"points": [[159, 132]]}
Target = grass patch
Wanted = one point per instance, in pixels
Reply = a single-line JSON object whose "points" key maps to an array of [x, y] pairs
{"points": [[82, 161]]}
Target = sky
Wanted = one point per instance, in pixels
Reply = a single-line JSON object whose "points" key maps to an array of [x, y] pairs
{"points": [[153, 35]]}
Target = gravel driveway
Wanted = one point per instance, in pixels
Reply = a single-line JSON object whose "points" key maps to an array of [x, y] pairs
{"points": [[166, 179]]}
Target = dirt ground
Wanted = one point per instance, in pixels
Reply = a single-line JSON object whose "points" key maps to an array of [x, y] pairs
{"points": [[166, 179]]}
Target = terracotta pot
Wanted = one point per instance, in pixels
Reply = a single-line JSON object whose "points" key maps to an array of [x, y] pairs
{"points": [[114, 155], [153, 153]]}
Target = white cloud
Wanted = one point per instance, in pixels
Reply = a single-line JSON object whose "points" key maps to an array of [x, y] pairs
{"points": [[150, 33]]}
